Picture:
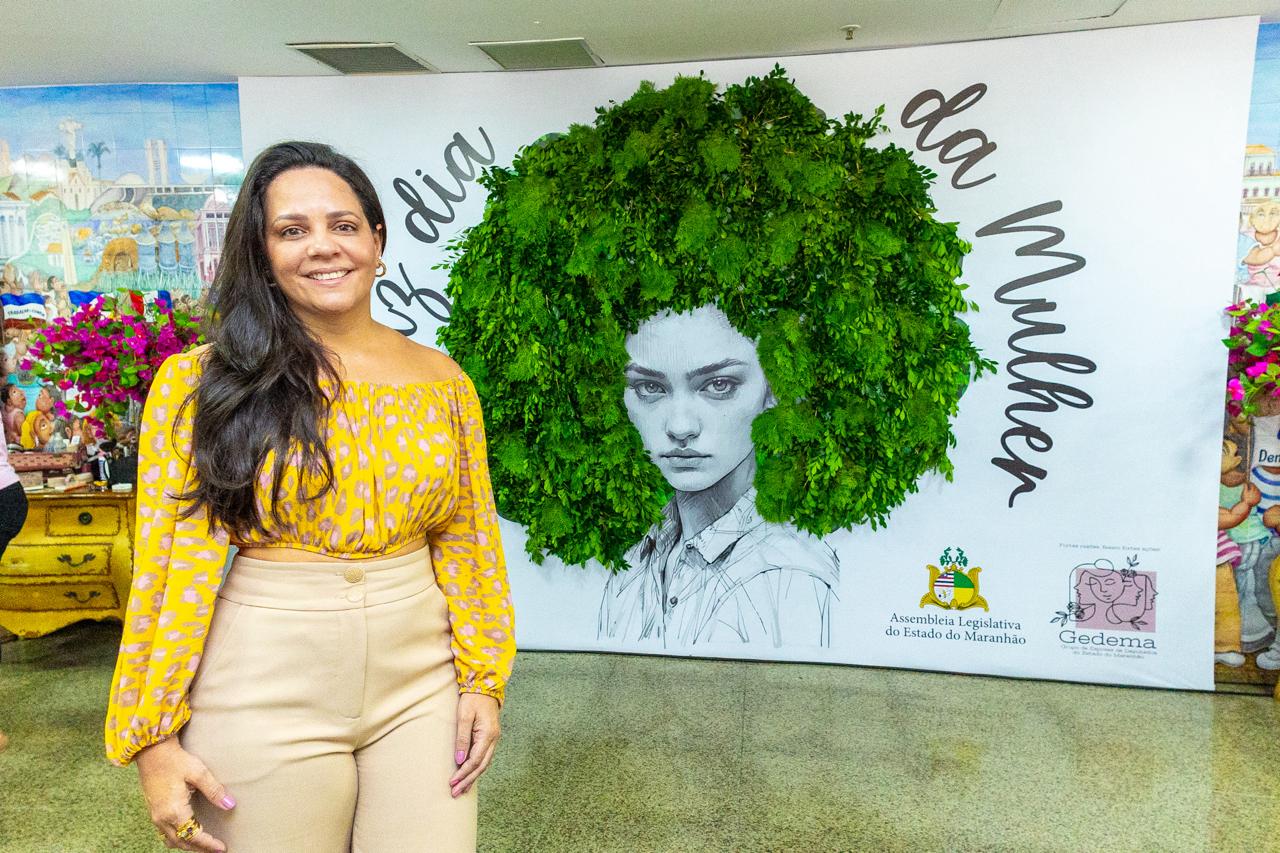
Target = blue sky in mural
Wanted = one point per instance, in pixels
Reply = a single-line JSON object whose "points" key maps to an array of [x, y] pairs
{"points": [[1264, 114], [201, 124]]}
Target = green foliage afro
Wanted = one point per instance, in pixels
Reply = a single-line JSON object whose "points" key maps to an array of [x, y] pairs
{"points": [[815, 244]]}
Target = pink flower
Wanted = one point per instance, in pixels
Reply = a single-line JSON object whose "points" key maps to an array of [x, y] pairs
{"points": [[1235, 389], [94, 338], [1256, 369]]}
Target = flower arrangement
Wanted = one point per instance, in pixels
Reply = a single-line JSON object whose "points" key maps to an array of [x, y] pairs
{"points": [[109, 350], [1253, 360]]}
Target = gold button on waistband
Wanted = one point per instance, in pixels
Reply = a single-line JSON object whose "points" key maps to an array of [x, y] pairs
{"points": [[353, 575]]}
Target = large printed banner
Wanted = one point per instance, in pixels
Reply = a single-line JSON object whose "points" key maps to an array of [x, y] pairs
{"points": [[1096, 175]]}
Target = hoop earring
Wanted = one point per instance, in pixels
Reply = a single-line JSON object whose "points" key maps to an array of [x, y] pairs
{"points": [[381, 268]]}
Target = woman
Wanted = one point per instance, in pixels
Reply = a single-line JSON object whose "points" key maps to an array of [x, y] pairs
{"points": [[347, 464], [713, 570]]}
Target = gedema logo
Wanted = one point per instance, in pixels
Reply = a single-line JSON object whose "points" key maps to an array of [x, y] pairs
{"points": [[952, 587], [1104, 598]]}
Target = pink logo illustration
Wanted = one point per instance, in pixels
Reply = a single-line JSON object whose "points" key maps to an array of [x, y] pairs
{"points": [[1111, 599]]}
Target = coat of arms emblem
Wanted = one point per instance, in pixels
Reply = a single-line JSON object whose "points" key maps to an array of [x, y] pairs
{"points": [[954, 586]]}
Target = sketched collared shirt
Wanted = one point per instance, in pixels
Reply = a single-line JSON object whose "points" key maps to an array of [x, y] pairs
{"points": [[742, 579]]}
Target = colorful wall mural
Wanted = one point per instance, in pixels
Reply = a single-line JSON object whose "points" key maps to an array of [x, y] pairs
{"points": [[1246, 645], [107, 187], [1258, 271], [110, 187]]}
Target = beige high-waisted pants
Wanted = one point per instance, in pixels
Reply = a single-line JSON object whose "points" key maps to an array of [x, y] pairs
{"points": [[326, 702]]}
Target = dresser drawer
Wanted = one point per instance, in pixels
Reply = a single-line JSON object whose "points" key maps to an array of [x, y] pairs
{"points": [[58, 596], [56, 558], [82, 519]]}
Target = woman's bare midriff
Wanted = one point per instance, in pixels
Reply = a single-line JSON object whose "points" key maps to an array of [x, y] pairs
{"points": [[295, 555]]}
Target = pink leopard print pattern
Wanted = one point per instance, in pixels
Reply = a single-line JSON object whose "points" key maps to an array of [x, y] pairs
{"points": [[410, 461]]}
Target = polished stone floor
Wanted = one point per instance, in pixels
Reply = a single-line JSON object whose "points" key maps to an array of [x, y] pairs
{"points": [[620, 753]]}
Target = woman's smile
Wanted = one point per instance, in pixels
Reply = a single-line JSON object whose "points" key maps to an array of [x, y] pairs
{"points": [[327, 276]]}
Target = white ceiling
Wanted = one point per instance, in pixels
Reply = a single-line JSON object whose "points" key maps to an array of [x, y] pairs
{"points": [[116, 41]]}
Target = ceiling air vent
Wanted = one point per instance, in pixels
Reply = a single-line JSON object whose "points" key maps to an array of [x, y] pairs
{"points": [[364, 57], [1040, 13], [542, 54]]}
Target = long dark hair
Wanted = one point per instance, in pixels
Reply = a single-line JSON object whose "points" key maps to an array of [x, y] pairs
{"points": [[260, 390]]}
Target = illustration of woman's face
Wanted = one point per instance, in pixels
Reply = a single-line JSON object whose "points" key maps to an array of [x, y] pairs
{"points": [[1107, 587], [694, 385], [1265, 217]]}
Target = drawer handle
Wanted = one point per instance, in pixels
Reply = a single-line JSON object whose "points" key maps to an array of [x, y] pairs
{"points": [[88, 596], [86, 518], [70, 561]]}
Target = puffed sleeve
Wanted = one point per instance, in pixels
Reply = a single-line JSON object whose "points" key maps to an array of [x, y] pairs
{"points": [[177, 569], [469, 564]]}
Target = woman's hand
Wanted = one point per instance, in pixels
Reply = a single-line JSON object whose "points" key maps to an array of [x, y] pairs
{"points": [[478, 733], [169, 774]]}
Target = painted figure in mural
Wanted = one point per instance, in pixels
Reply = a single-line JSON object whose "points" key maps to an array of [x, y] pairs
{"points": [[59, 436], [56, 297], [1261, 549], [9, 356], [1262, 261], [713, 570], [1236, 523], [8, 350], [83, 434], [16, 349], [1107, 597], [14, 401], [37, 427]]}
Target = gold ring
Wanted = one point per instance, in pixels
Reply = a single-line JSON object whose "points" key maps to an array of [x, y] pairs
{"points": [[188, 829]]}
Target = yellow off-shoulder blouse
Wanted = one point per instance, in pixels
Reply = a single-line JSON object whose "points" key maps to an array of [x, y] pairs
{"points": [[409, 462]]}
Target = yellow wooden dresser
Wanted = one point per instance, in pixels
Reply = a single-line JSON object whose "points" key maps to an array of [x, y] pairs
{"points": [[73, 560]]}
